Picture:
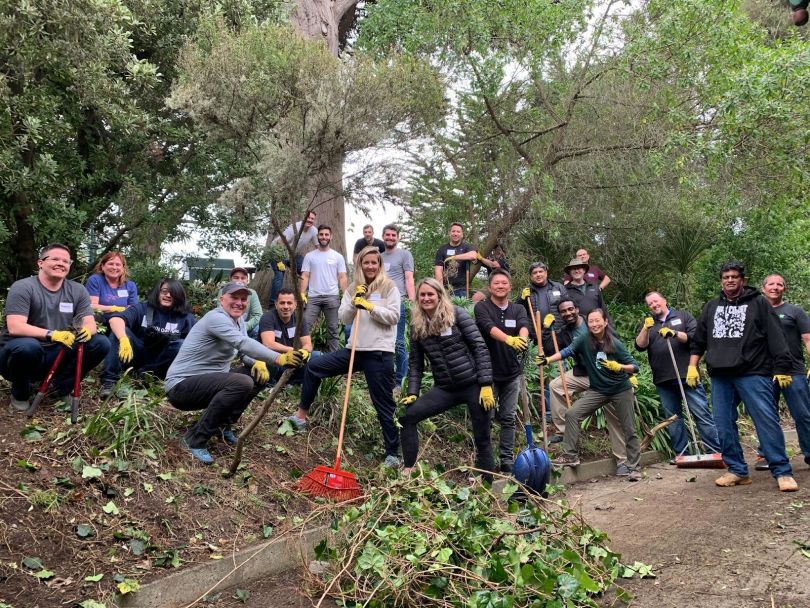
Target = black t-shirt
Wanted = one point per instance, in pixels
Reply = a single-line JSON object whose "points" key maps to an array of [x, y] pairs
{"points": [[795, 322], [505, 362], [455, 272], [657, 351], [284, 332], [587, 297], [362, 244], [565, 336]]}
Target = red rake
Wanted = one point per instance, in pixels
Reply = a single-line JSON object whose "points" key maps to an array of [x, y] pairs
{"points": [[333, 483]]}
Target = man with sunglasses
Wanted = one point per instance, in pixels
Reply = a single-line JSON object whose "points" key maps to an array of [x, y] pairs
{"points": [[45, 313]]}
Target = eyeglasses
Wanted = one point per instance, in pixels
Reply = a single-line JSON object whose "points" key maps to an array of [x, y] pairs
{"points": [[57, 260], [165, 292]]}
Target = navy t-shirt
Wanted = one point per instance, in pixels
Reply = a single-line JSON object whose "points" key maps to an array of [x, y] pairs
{"points": [[284, 332], [455, 272]]}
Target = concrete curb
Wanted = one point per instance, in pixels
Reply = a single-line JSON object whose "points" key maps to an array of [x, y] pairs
{"points": [[285, 553]]}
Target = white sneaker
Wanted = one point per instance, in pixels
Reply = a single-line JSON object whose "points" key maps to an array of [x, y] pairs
{"points": [[18, 405]]}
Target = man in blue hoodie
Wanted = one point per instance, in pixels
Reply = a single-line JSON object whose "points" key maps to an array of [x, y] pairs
{"points": [[746, 353]]}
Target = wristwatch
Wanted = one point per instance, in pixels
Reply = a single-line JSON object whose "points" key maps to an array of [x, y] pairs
{"points": [[49, 335]]}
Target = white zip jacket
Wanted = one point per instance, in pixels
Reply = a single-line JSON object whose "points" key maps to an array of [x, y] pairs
{"points": [[376, 330]]}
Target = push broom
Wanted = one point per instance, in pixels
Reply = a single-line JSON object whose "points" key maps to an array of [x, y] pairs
{"points": [[333, 483], [698, 460]]}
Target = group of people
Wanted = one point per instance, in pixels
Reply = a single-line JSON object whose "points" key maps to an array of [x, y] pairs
{"points": [[753, 345]]}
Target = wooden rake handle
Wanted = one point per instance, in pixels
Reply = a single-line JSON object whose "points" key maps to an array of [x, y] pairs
{"points": [[355, 329]]}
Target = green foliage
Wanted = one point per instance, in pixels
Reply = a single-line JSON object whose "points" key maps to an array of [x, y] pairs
{"points": [[146, 273], [452, 545]]}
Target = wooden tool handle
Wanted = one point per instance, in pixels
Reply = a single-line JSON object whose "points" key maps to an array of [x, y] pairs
{"points": [[355, 329]]}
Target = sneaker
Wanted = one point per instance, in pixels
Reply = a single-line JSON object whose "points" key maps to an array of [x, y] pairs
{"points": [[566, 460], [634, 476], [18, 405], [622, 470], [556, 438], [761, 464], [730, 479], [392, 462], [201, 454], [787, 484], [228, 436], [300, 425], [107, 389], [673, 462]]}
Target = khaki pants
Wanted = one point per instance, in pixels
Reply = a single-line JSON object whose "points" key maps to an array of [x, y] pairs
{"points": [[577, 385]]}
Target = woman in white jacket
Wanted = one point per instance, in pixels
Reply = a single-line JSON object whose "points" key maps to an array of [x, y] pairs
{"points": [[376, 300]]}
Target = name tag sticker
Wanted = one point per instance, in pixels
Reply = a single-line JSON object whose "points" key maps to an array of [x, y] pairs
{"points": [[555, 293], [675, 322], [291, 332], [66, 307], [510, 323], [331, 261], [123, 293], [451, 252], [447, 332], [375, 297], [171, 327], [277, 333], [387, 266]]}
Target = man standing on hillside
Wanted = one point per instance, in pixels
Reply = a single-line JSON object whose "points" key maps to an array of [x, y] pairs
{"points": [[44, 314], [308, 240], [746, 354], [398, 264], [323, 277], [586, 296], [368, 240], [453, 260], [796, 326], [594, 275]]}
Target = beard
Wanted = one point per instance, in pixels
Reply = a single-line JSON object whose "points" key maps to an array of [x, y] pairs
{"points": [[324, 242]]}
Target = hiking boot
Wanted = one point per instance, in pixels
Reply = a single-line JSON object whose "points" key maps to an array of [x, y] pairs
{"points": [[634, 476], [787, 484], [201, 454], [18, 405], [228, 436], [107, 389], [730, 479], [566, 460], [392, 462], [299, 425], [556, 438], [622, 470], [761, 464]]}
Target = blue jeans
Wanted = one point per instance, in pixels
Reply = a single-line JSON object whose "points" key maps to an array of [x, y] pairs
{"points": [[756, 393], [143, 359], [27, 360], [278, 277], [401, 353], [797, 397], [698, 404]]}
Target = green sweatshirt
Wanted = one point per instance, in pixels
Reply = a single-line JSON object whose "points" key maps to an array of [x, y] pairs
{"points": [[602, 380]]}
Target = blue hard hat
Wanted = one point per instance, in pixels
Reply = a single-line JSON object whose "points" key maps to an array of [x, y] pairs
{"points": [[532, 468]]}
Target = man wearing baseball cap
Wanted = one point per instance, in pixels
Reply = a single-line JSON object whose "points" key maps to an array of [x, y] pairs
{"points": [[201, 378]]}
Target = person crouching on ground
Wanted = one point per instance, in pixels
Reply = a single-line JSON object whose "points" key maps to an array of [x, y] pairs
{"points": [[462, 372], [609, 366], [148, 335], [375, 300], [200, 378]]}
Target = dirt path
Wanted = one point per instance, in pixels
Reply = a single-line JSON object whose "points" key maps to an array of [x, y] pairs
{"points": [[709, 546]]}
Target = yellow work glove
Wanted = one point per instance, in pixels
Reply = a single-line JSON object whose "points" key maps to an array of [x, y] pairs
{"points": [[290, 359], [808, 374], [406, 401], [541, 360], [524, 295], [517, 342], [304, 298], [360, 291], [648, 323], [783, 380], [63, 336], [548, 320], [611, 365], [281, 267], [117, 309], [125, 353], [666, 332], [692, 376], [486, 398], [363, 304], [304, 355], [260, 372], [634, 382], [83, 334]]}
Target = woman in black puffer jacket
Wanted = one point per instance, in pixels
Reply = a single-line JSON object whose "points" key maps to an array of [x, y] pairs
{"points": [[462, 372]]}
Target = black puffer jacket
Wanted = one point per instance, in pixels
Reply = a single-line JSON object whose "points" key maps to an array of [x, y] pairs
{"points": [[457, 360]]}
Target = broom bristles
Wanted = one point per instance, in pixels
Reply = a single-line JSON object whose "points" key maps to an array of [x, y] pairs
{"points": [[700, 461]]}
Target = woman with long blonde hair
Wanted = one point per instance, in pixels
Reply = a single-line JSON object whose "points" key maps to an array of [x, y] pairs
{"points": [[372, 302], [462, 372]]}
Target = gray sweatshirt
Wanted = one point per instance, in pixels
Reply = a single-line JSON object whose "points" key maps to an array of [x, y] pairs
{"points": [[211, 346], [376, 330]]}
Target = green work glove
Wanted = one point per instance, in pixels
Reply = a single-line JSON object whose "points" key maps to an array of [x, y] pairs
{"points": [[486, 398], [290, 359], [260, 372], [519, 343], [783, 380], [692, 376], [304, 298], [117, 309], [648, 323], [666, 332], [524, 295], [125, 353], [612, 366], [363, 304], [281, 267], [548, 320], [406, 401], [541, 360], [634, 382], [360, 291], [63, 336]]}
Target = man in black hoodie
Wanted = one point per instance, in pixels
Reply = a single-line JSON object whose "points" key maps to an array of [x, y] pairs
{"points": [[746, 353]]}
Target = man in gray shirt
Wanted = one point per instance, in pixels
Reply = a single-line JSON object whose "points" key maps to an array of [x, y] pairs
{"points": [[44, 314], [398, 265], [307, 242], [201, 377]]}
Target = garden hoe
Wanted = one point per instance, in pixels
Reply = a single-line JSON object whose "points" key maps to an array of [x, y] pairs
{"points": [[698, 460], [333, 483]]}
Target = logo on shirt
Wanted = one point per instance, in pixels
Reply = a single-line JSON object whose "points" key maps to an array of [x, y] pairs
{"points": [[729, 321]]}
